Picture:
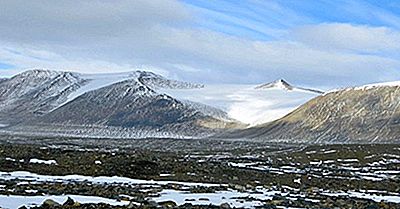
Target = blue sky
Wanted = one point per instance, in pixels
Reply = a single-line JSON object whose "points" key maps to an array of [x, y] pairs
{"points": [[259, 19], [314, 43], [4, 66]]}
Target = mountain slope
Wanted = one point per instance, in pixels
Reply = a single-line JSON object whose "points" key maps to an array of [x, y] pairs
{"points": [[126, 105], [35, 92], [127, 109], [3, 79], [364, 114]]}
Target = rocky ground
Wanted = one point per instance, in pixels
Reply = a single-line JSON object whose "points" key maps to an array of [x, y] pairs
{"points": [[154, 173]]}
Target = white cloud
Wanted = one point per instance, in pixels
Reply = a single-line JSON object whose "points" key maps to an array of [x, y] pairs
{"points": [[161, 35], [341, 36], [27, 58]]}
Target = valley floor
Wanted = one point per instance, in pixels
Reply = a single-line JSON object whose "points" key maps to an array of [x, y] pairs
{"points": [[167, 173]]}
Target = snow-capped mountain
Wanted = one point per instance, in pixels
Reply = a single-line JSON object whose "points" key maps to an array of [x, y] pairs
{"points": [[284, 85], [142, 104], [35, 92], [279, 84], [362, 114], [108, 105], [138, 104], [127, 109], [40, 91]]}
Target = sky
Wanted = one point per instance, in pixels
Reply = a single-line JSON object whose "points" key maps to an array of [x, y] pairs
{"points": [[324, 43]]}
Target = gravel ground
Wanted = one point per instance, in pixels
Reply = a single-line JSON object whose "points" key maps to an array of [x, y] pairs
{"points": [[241, 173]]}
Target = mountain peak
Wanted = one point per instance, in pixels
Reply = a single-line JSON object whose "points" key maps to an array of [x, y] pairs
{"points": [[284, 85], [280, 83], [38, 72]]}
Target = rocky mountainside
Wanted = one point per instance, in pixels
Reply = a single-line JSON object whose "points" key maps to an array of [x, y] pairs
{"points": [[157, 81], [3, 79], [357, 115], [115, 105], [35, 92], [282, 84]]}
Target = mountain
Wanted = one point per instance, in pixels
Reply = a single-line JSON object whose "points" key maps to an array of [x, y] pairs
{"points": [[3, 79], [125, 105], [284, 85], [280, 83], [356, 115], [34, 93], [155, 81], [137, 104]]}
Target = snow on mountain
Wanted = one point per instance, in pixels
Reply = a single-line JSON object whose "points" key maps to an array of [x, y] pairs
{"points": [[245, 103], [127, 109], [367, 86], [152, 80], [284, 85], [35, 92], [279, 84], [25, 82], [96, 81], [155, 81], [64, 97], [125, 105]]}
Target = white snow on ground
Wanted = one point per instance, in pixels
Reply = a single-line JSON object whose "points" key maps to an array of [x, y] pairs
{"points": [[329, 151], [247, 198], [374, 197], [217, 198], [14, 160], [260, 105], [24, 175], [48, 162], [2, 125], [16, 201], [166, 174]]}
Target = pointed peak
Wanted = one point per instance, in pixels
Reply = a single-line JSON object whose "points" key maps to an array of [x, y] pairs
{"points": [[280, 83]]}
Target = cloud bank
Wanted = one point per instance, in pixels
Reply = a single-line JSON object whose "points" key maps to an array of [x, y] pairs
{"points": [[175, 39]]}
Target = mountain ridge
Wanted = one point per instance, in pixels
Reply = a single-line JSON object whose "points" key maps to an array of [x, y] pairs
{"points": [[366, 114], [121, 105], [283, 84], [142, 104]]}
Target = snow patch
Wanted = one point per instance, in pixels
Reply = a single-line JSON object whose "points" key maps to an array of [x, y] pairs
{"points": [[16, 201], [39, 161], [28, 176], [231, 197]]}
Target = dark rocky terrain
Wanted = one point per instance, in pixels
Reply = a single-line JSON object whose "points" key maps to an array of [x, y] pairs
{"points": [[240, 172]]}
